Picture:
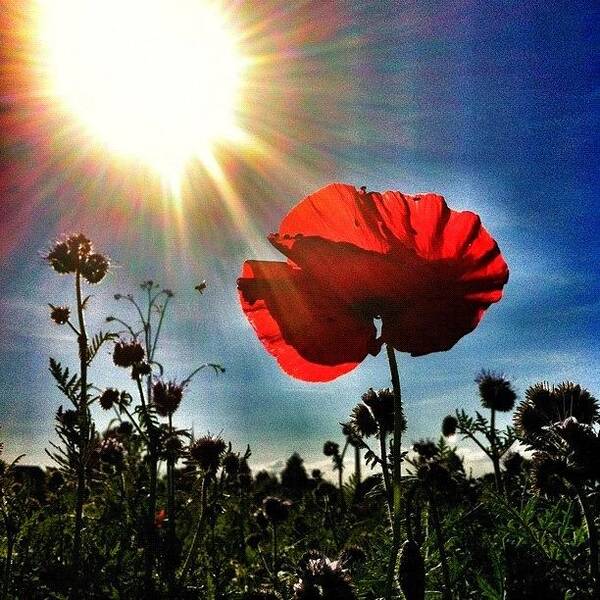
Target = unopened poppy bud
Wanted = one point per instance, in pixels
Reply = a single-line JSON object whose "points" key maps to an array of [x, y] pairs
{"points": [[381, 403], [411, 571], [109, 398], [60, 314], [449, 425]]}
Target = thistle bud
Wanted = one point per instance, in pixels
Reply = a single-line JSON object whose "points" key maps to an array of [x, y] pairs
{"points": [[109, 398], [207, 452], [276, 510], [495, 391], [94, 268], [127, 354], [111, 451], [60, 314], [331, 448], [363, 420], [166, 397], [449, 425]]}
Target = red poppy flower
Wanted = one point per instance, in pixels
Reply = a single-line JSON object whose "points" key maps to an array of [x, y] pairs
{"points": [[427, 271], [160, 517]]}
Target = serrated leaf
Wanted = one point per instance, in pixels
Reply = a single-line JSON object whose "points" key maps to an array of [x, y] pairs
{"points": [[97, 342]]}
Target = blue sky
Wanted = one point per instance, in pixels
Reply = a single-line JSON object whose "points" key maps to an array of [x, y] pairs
{"points": [[493, 105]]}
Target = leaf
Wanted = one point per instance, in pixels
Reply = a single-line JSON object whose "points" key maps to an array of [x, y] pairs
{"points": [[97, 342], [69, 385]]}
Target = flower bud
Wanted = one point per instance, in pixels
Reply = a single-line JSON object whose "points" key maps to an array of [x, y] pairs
{"points": [[449, 425], [127, 354], [166, 397], [109, 398], [411, 571], [60, 314], [207, 452]]}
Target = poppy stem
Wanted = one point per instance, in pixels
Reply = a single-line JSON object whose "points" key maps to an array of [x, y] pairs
{"points": [[396, 472]]}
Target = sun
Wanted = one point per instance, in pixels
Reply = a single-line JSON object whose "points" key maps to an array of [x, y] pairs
{"points": [[154, 80]]}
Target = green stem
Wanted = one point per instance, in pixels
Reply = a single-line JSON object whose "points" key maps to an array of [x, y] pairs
{"points": [[439, 535], [190, 559], [10, 542], [396, 473], [385, 470], [82, 413], [274, 550], [495, 455], [592, 528], [160, 322], [341, 476], [171, 506], [357, 469]]}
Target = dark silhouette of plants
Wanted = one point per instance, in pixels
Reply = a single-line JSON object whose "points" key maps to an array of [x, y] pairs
{"points": [[497, 395], [75, 256], [136, 350], [559, 425]]}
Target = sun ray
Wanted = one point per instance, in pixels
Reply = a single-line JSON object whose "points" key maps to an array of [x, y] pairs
{"points": [[149, 79]]}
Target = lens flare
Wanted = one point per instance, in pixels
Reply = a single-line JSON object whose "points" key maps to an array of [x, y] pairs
{"points": [[155, 80]]}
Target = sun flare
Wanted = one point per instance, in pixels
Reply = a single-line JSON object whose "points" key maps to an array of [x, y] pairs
{"points": [[154, 80]]}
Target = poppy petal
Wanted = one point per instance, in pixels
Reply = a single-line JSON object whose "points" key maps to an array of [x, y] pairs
{"points": [[354, 275], [312, 336], [430, 326], [338, 213]]}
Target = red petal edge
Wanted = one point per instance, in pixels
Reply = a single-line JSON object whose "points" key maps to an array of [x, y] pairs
{"points": [[312, 337]]}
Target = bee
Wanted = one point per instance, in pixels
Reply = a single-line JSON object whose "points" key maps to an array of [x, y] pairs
{"points": [[201, 286]]}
